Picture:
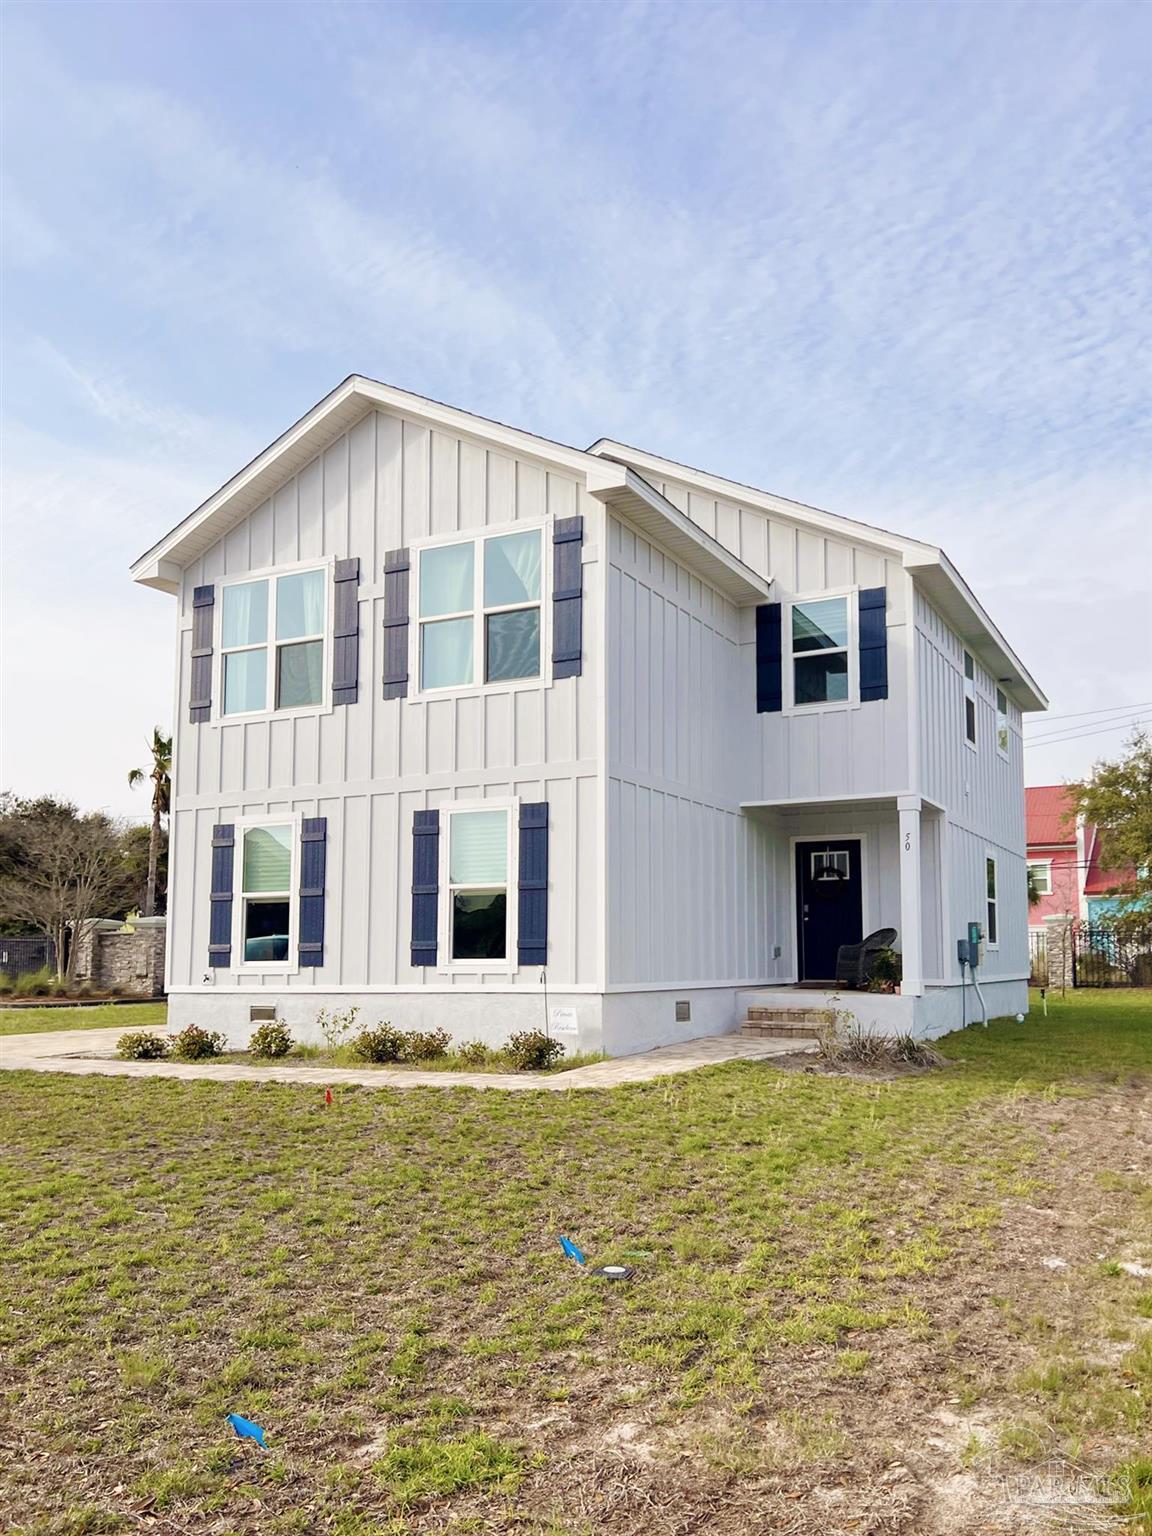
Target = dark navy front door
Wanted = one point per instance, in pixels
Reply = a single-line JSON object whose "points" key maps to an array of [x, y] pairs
{"points": [[829, 908]]}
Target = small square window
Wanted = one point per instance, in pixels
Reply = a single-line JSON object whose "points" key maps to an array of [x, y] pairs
{"points": [[836, 864]]}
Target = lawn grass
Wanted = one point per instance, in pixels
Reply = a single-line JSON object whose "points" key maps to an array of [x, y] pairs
{"points": [[123, 1016], [821, 1265]]}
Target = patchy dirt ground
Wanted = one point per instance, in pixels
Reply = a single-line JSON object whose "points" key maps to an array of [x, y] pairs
{"points": [[868, 1306]]}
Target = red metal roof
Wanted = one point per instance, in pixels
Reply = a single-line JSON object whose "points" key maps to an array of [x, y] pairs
{"points": [[1046, 807]]}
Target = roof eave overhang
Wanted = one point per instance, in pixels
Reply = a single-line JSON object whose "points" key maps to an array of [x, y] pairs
{"points": [[348, 403], [628, 494], [948, 592]]}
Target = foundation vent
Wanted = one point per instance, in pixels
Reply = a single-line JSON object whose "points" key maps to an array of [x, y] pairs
{"points": [[683, 1011], [259, 1012]]}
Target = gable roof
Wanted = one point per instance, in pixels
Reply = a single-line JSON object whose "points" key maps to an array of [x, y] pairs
{"points": [[612, 473], [1050, 816]]}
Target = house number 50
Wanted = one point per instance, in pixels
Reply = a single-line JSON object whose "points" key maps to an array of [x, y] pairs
{"points": [[907, 842]]}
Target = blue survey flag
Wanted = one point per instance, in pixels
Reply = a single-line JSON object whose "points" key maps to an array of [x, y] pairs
{"points": [[572, 1251], [247, 1430]]}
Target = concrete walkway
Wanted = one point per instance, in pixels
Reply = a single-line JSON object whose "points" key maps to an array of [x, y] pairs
{"points": [[91, 1051]]}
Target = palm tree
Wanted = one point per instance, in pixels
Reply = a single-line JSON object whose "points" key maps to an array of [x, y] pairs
{"points": [[161, 778]]}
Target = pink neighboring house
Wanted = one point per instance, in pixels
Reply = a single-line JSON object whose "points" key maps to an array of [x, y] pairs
{"points": [[1064, 852]]}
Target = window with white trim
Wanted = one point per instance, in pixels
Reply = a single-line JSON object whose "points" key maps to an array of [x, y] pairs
{"points": [[1040, 877], [480, 610], [969, 700], [479, 860], [992, 926], [820, 643], [267, 859], [272, 643], [1001, 722]]}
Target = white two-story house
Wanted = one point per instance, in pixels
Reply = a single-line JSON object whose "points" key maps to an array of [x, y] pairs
{"points": [[480, 731]]}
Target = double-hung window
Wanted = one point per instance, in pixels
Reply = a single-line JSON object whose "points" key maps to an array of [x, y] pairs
{"points": [[1001, 722], [992, 926], [480, 607], [272, 643], [478, 876], [266, 864], [1040, 877], [820, 651], [969, 700]]}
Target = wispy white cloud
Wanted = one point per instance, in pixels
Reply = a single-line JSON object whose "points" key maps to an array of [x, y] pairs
{"points": [[886, 259]]}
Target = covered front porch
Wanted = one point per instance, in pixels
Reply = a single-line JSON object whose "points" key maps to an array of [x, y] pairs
{"points": [[845, 868]]}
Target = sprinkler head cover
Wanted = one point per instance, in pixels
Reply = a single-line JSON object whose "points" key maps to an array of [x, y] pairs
{"points": [[612, 1272]]}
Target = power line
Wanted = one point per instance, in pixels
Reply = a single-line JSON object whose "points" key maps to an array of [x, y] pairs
{"points": [[1112, 709], [1094, 730]]}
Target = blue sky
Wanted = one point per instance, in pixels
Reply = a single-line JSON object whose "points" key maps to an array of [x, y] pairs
{"points": [[889, 259]]}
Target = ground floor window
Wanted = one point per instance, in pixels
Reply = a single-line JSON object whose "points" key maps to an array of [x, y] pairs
{"points": [[992, 927], [478, 857], [1040, 878], [266, 894]]}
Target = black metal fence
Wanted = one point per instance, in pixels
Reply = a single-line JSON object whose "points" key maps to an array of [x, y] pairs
{"points": [[1109, 957], [20, 955], [1038, 959]]}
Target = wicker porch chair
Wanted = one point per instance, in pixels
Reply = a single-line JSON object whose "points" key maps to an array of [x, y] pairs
{"points": [[854, 961]]}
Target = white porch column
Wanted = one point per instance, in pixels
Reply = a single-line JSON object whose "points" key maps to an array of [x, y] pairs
{"points": [[911, 920]]}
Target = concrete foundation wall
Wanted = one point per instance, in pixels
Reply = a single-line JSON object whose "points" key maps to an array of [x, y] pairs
{"points": [[489, 1017]]}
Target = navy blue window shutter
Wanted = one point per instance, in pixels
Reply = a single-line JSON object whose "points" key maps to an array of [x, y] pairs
{"points": [[313, 871], [345, 631], [532, 928], [425, 885], [220, 922], [769, 660], [200, 695], [873, 644], [567, 596], [396, 567]]}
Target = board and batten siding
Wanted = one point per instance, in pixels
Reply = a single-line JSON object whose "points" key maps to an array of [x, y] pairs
{"points": [[981, 789], [692, 884], [856, 750], [385, 484]]}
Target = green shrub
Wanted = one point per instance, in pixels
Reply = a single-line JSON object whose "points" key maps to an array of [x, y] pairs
{"points": [[379, 1044], [7, 983], [35, 983], [142, 1045], [425, 1045], [531, 1050], [475, 1053], [271, 1040], [196, 1044], [336, 1027]]}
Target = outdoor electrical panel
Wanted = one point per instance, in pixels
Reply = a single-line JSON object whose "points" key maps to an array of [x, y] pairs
{"points": [[970, 951]]}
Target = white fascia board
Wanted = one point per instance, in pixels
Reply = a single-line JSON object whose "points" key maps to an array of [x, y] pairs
{"points": [[952, 595], [623, 490], [293, 449], [750, 496]]}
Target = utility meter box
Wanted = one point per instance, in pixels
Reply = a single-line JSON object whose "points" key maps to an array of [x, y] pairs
{"points": [[970, 951]]}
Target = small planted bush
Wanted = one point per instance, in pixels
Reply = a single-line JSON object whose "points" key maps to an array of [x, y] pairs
{"points": [[379, 1043], [426, 1045], [196, 1044], [39, 983], [531, 1050], [474, 1053], [142, 1045], [271, 1040], [336, 1026]]}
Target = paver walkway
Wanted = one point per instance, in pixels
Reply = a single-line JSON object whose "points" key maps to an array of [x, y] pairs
{"points": [[85, 1051]]}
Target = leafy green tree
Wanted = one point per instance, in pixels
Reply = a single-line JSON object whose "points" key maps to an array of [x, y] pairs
{"points": [[1117, 798], [160, 777]]}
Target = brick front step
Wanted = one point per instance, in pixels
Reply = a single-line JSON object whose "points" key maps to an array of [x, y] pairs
{"points": [[817, 1016], [758, 1029]]}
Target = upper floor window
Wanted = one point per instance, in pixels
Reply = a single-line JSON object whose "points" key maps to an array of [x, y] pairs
{"points": [[1002, 722], [266, 894], [820, 647], [1040, 877], [272, 643], [969, 699], [480, 610]]}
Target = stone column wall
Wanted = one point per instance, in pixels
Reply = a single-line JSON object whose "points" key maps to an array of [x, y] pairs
{"points": [[131, 963], [1059, 937]]}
